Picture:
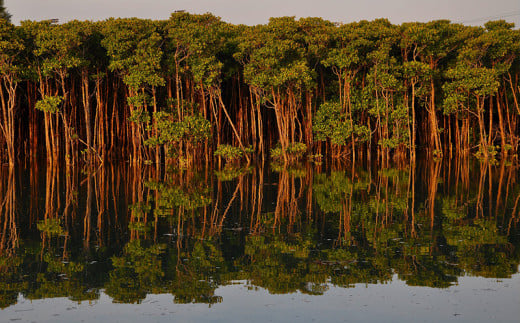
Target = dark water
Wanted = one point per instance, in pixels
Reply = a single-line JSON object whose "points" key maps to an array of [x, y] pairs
{"points": [[434, 242]]}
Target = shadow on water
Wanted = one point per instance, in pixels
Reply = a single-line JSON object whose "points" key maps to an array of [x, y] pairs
{"points": [[132, 232]]}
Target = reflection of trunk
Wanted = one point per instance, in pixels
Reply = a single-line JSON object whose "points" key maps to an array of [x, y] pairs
{"points": [[51, 195], [309, 178], [346, 213], [70, 197], [506, 197], [8, 228], [480, 195], [256, 209], [34, 185], [218, 227], [410, 205], [286, 201], [433, 181], [101, 194], [515, 217], [88, 214], [138, 198]]}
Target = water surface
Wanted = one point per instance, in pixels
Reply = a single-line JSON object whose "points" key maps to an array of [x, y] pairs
{"points": [[432, 242]]}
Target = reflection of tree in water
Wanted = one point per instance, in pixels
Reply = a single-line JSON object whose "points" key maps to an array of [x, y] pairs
{"points": [[136, 273], [133, 231], [10, 280], [417, 239], [195, 279]]}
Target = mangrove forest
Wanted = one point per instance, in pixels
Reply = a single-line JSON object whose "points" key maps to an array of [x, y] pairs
{"points": [[195, 89]]}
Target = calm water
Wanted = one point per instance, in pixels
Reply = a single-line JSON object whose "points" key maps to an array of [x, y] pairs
{"points": [[435, 242]]}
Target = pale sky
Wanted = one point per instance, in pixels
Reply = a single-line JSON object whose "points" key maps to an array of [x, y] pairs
{"points": [[251, 12]]}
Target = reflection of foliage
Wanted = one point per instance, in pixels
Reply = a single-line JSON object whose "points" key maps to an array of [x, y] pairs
{"points": [[229, 174], [56, 277], [10, 283], [136, 273], [70, 269], [332, 190], [297, 170], [174, 196], [428, 271], [363, 229], [51, 226], [481, 232], [280, 266], [139, 226], [49, 287], [8, 295], [452, 211], [139, 210], [492, 261], [197, 278]]}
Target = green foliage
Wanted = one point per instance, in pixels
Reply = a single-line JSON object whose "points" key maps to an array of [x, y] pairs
{"points": [[196, 128], [357, 82], [479, 81], [11, 49], [4, 14], [191, 129], [231, 153], [274, 56], [139, 100], [330, 122], [193, 44], [492, 152], [61, 48], [139, 210], [134, 48], [140, 116], [294, 151], [49, 104]]}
